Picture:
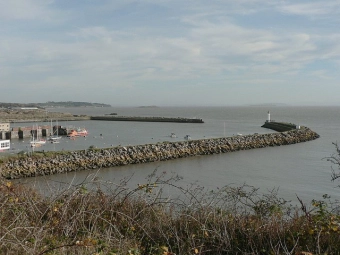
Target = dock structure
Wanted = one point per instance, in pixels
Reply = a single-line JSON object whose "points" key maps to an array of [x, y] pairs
{"points": [[279, 126], [147, 119], [24, 132]]}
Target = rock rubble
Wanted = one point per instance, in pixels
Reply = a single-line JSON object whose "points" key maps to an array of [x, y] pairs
{"points": [[118, 156]]}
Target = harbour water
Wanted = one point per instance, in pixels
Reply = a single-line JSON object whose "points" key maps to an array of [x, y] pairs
{"points": [[295, 170]]}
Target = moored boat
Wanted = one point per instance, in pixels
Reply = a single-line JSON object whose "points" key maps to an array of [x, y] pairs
{"points": [[54, 138], [82, 132], [54, 135], [187, 137], [36, 140], [36, 144], [77, 132]]}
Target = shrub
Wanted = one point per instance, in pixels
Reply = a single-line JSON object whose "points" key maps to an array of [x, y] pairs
{"points": [[96, 217]]}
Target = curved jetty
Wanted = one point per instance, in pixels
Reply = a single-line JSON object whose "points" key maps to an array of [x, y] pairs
{"points": [[62, 162], [147, 119]]}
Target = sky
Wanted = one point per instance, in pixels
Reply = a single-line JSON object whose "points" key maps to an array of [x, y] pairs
{"points": [[170, 52]]}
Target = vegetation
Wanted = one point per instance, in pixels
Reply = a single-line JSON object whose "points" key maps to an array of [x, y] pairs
{"points": [[17, 105], [34, 115], [97, 217]]}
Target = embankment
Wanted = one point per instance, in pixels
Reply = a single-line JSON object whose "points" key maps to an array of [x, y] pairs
{"points": [[62, 162]]}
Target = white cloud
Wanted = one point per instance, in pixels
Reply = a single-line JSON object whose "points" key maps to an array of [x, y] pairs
{"points": [[312, 9]]}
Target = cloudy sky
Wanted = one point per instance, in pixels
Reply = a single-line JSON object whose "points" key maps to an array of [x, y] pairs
{"points": [[170, 52]]}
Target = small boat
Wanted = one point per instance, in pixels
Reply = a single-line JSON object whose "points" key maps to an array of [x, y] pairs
{"points": [[72, 133], [54, 137], [173, 135], [77, 132], [5, 145], [37, 140], [187, 137], [82, 132], [40, 141], [35, 145]]}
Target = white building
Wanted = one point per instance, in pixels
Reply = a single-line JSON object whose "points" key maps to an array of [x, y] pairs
{"points": [[268, 117], [4, 127]]}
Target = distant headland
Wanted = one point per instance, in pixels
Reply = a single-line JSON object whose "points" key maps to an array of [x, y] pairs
{"points": [[148, 106], [51, 104]]}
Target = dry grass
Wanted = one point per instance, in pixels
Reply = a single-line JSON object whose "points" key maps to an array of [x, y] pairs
{"points": [[102, 218]]}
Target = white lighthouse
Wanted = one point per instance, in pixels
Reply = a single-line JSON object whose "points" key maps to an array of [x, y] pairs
{"points": [[268, 117]]}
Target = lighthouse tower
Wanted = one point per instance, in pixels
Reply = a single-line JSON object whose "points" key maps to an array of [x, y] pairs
{"points": [[268, 117]]}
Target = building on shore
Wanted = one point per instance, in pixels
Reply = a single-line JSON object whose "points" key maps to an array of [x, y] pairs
{"points": [[4, 127]]}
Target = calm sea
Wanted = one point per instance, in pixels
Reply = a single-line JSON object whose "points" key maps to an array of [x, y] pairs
{"points": [[295, 170]]}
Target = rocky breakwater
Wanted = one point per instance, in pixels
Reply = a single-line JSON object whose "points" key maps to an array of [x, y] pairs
{"points": [[63, 162]]}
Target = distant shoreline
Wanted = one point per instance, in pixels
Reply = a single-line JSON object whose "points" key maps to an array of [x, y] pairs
{"points": [[51, 104]]}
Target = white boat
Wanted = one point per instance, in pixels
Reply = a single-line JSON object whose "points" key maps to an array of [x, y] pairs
{"points": [[40, 142], [5, 145], [187, 137], [54, 137], [36, 142]]}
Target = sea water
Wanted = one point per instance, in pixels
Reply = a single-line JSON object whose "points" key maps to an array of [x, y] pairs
{"points": [[295, 170]]}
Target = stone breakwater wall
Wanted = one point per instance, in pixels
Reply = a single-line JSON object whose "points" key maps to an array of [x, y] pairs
{"points": [[147, 119], [117, 156], [279, 126]]}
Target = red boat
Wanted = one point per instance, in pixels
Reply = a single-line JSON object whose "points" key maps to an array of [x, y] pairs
{"points": [[77, 132]]}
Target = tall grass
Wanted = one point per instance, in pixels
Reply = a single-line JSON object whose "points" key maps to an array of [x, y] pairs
{"points": [[97, 217]]}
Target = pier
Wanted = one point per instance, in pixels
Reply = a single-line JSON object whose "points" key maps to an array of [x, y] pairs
{"points": [[27, 132], [279, 126]]}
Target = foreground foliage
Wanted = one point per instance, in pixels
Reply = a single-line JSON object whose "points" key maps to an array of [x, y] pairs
{"points": [[106, 218]]}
